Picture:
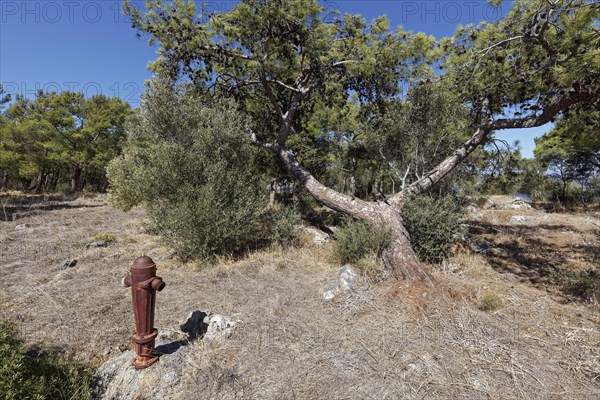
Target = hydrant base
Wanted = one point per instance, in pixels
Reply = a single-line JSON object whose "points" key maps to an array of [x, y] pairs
{"points": [[144, 362]]}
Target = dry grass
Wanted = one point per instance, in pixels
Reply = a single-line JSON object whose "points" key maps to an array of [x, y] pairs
{"points": [[542, 247], [385, 340]]}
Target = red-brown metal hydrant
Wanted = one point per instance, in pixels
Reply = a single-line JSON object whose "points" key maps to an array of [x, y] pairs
{"points": [[144, 285]]}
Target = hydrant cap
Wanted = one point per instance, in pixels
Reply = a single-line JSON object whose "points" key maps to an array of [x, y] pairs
{"points": [[143, 262]]}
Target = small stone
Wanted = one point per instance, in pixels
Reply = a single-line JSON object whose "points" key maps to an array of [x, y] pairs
{"points": [[20, 227], [166, 257], [318, 239], [472, 208], [97, 243], [348, 276], [516, 219], [68, 264], [219, 327], [333, 288]]}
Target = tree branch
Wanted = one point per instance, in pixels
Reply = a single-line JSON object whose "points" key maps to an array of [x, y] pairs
{"points": [[226, 52], [290, 114], [485, 128], [270, 96], [331, 198]]}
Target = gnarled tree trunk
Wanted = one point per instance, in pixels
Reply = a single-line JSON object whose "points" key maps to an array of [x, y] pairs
{"points": [[399, 256]]}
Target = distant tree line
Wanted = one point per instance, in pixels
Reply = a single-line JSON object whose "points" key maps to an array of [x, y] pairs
{"points": [[59, 141], [565, 167]]}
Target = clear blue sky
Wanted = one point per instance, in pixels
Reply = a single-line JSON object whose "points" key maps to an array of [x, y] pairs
{"points": [[89, 46]]}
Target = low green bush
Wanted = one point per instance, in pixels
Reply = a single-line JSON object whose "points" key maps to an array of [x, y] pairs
{"points": [[37, 373], [584, 284], [434, 225], [106, 237], [356, 240], [283, 226], [490, 301]]}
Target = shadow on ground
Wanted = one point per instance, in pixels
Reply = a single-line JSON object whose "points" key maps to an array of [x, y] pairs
{"points": [[526, 252]]}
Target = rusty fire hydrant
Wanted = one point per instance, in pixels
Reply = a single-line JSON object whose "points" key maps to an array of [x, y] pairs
{"points": [[144, 284]]}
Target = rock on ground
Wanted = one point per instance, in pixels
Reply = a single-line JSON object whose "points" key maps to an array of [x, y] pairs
{"points": [[346, 279], [172, 376]]}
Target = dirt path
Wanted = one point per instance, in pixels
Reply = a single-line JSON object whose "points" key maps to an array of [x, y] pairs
{"points": [[380, 341]]}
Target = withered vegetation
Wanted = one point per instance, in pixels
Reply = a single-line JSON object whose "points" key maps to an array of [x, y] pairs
{"points": [[384, 340]]}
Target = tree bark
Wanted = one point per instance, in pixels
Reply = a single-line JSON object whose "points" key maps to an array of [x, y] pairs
{"points": [[398, 256], [272, 193], [352, 176], [40, 181], [75, 177]]}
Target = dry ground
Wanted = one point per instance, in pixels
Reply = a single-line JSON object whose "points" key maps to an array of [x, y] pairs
{"points": [[385, 340]]}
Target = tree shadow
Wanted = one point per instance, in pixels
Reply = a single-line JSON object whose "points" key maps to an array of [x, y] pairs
{"points": [[14, 212], [526, 255], [195, 328]]}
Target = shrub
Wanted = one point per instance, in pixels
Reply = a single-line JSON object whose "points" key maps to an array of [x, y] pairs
{"points": [[434, 225], [106, 237], [193, 172], [356, 240], [583, 284], [283, 224], [490, 301], [38, 374]]}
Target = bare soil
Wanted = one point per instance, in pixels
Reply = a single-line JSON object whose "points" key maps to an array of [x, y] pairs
{"points": [[383, 340]]}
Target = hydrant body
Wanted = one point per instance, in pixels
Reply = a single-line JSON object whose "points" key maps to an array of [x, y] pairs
{"points": [[144, 284]]}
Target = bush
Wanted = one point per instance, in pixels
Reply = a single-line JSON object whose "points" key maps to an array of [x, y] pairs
{"points": [[188, 165], [434, 225], [106, 237], [356, 240], [38, 374], [490, 301], [283, 224], [583, 284]]}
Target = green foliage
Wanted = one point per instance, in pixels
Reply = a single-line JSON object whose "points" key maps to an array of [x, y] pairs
{"points": [[583, 284], [188, 165], [434, 225], [356, 240], [255, 52], [538, 53], [38, 374], [568, 193], [490, 301], [283, 226], [60, 140], [106, 237], [412, 136], [500, 168], [532, 181]]}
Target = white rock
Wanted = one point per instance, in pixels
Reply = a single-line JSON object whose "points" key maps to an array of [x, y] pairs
{"points": [[517, 219], [348, 276], [518, 205], [346, 279], [333, 288], [318, 236], [219, 327], [472, 208]]}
